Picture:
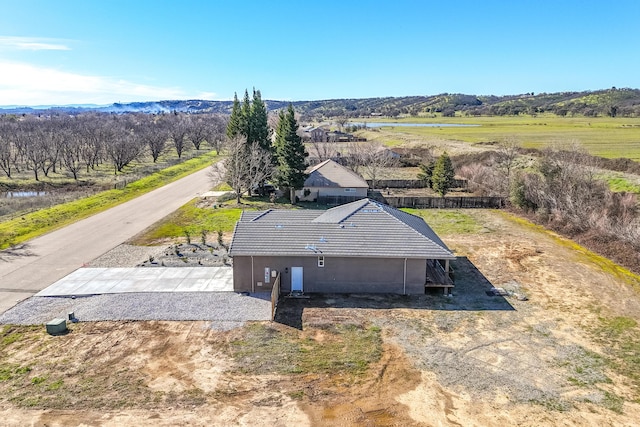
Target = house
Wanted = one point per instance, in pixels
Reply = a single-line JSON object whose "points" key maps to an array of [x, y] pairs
{"points": [[360, 247], [329, 179], [315, 134], [321, 134], [389, 152]]}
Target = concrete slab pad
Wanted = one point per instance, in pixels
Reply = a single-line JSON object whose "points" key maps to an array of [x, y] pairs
{"points": [[173, 273], [87, 273], [94, 281], [202, 273], [193, 285], [219, 286]]}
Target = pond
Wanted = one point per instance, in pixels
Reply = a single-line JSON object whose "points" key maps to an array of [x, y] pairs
{"points": [[394, 124], [20, 194]]}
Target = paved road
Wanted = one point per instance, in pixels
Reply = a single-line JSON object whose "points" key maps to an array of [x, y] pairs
{"points": [[50, 257]]}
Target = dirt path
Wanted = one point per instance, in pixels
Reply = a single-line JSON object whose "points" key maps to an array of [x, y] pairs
{"points": [[48, 258]]}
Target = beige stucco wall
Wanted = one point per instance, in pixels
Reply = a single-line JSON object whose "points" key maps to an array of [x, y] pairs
{"points": [[339, 275]]}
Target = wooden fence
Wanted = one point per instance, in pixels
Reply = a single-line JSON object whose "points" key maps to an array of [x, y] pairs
{"points": [[446, 202], [275, 296], [411, 183]]}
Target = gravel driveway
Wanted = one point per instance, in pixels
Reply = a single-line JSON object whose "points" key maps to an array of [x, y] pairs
{"points": [[224, 309]]}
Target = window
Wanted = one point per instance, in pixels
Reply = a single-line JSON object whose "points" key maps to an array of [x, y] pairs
{"points": [[321, 261], [349, 190]]}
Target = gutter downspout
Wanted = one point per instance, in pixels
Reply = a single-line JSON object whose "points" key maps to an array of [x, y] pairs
{"points": [[253, 282], [404, 279]]}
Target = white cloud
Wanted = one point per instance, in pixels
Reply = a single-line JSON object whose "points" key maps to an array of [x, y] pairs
{"points": [[31, 43], [27, 84]]}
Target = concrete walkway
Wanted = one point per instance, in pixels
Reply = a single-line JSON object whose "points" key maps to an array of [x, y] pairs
{"points": [[95, 281]]}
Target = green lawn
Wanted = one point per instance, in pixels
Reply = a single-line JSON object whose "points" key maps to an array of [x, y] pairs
{"points": [[447, 221], [193, 220]]}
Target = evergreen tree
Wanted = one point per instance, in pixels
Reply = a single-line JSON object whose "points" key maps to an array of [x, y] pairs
{"points": [[259, 127], [443, 175], [290, 153], [233, 127], [245, 118], [426, 172]]}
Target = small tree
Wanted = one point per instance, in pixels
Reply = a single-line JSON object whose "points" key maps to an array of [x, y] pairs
{"points": [[506, 157], [290, 154], [426, 173], [443, 175]]}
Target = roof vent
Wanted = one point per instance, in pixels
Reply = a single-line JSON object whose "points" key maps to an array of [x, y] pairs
{"points": [[279, 226], [323, 240]]}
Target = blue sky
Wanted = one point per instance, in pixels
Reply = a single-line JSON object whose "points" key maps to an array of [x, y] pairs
{"points": [[90, 51]]}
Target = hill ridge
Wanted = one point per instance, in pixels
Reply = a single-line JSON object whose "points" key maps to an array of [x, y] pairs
{"points": [[611, 102]]}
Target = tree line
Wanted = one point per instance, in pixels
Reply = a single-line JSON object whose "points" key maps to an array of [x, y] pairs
{"points": [[77, 144]]}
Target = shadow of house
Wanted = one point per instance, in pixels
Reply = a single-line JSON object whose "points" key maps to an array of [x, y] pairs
{"points": [[471, 295]]}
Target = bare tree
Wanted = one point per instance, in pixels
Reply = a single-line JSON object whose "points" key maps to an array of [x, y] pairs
{"points": [[245, 167], [178, 131], [154, 133], [197, 129], [91, 130], [122, 147], [323, 150], [33, 149], [215, 132], [355, 155], [341, 121], [373, 157], [8, 149], [71, 153], [506, 156]]}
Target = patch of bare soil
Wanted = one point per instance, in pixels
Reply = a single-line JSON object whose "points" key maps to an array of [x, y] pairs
{"points": [[181, 373], [563, 357]]}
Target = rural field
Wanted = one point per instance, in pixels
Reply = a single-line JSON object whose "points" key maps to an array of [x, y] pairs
{"points": [[601, 136], [561, 348]]}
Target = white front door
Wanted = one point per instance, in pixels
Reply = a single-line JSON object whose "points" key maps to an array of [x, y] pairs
{"points": [[296, 279]]}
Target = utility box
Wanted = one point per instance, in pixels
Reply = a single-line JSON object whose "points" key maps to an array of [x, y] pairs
{"points": [[56, 326]]}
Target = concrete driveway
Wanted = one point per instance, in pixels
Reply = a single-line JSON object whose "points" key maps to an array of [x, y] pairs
{"points": [[97, 281]]}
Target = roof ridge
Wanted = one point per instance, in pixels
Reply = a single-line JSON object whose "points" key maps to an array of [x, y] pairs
{"points": [[362, 205], [318, 166], [261, 215]]}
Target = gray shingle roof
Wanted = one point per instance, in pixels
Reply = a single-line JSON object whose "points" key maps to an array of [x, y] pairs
{"points": [[363, 228], [331, 174]]}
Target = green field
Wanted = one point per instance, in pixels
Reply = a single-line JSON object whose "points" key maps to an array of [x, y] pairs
{"points": [[601, 136]]}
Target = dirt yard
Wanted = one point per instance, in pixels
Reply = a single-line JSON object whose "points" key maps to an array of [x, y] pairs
{"points": [[567, 354]]}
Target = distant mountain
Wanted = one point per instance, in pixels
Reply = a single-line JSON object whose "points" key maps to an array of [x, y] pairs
{"points": [[612, 102]]}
